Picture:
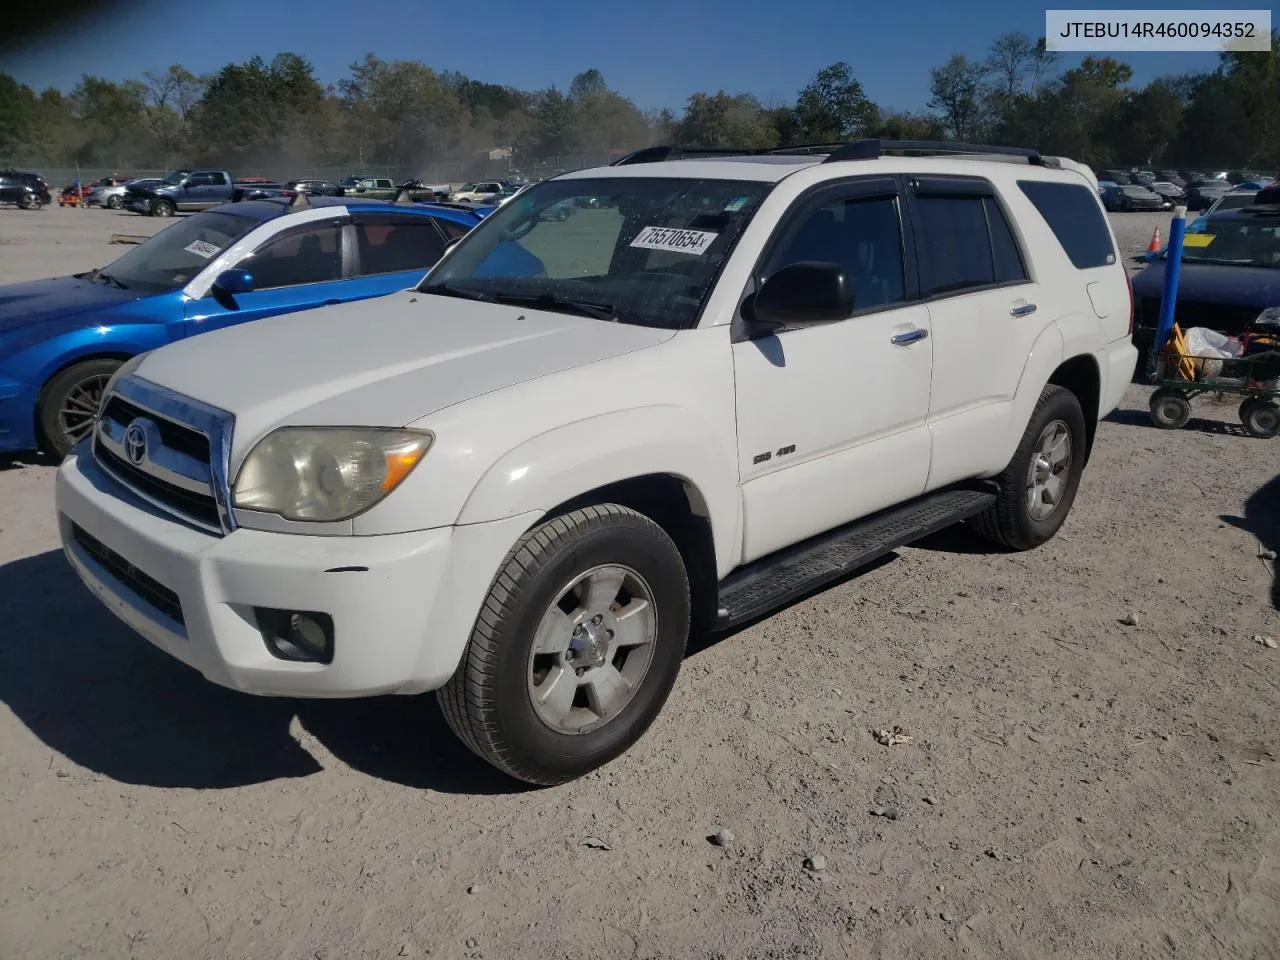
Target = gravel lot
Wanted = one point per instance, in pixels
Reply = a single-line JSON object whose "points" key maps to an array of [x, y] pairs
{"points": [[1077, 786]]}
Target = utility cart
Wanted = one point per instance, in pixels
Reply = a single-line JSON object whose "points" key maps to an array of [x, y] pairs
{"points": [[1181, 375]]}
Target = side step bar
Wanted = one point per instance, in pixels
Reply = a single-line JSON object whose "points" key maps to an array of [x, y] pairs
{"points": [[789, 574]]}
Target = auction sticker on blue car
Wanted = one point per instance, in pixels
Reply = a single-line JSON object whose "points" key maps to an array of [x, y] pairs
{"points": [[674, 240], [201, 248]]}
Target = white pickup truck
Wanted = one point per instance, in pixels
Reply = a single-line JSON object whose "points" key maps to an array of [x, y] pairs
{"points": [[729, 380]]}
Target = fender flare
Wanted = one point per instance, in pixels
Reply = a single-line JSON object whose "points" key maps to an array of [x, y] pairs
{"points": [[1045, 357], [568, 461]]}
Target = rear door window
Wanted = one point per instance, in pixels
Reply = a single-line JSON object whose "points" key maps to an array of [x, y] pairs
{"points": [[390, 244], [1072, 213]]}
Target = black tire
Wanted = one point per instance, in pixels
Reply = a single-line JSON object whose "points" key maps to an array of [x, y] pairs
{"points": [[488, 702], [79, 380], [1170, 410], [162, 208], [1261, 417], [1009, 522], [115, 203], [29, 201]]}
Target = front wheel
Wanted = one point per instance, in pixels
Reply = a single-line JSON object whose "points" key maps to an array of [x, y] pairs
{"points": [[115, 203], [162, 208], [69, 403], [29, 201], [1039, 485], [576, 648]]}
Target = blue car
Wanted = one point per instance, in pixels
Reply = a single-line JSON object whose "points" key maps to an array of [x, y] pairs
{"points": [[61, 339]]}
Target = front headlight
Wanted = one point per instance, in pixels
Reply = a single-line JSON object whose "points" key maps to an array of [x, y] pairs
{"points": [[326, 473]]}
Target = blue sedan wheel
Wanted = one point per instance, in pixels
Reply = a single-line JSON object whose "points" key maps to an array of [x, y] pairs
{"points": [[69, 403]]}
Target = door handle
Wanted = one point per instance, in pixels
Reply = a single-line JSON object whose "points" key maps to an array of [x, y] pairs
{"points": [[911, 336], [1023, 310]]}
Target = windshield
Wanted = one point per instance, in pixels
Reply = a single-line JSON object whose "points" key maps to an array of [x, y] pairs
{"points": [[177, 177], [635, 249], [176, 254], [1251, 243], [1135, 190]]}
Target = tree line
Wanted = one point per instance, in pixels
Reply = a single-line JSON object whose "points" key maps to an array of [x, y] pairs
{"points": [[406, 115]]}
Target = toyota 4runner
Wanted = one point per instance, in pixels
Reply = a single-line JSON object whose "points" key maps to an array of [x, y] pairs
{"points": [[731, 379]]}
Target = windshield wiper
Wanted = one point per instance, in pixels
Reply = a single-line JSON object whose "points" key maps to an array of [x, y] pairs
{"points": [[97, 274], [449, 290], [586, 308]]}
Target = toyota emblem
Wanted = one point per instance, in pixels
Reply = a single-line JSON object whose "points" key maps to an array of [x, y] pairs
{"points": [[135, 443]]}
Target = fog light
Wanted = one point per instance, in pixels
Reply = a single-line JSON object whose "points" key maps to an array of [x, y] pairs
{"points": [[297, 634]]}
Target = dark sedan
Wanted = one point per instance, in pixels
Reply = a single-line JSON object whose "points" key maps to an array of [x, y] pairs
{"points": [[315, 188], [1230, 274], [1202, 193], [1134, 196]]}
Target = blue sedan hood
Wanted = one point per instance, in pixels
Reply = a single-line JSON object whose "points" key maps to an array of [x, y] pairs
{"points": [[1214, 283], [22, 304]]}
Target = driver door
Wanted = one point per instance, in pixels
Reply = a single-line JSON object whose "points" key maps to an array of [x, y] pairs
{"points": [[299, 268], [832, 417]]}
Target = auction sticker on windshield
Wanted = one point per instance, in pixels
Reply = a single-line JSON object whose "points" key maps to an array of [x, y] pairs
{"points": [[675, 240], [201, 248]]}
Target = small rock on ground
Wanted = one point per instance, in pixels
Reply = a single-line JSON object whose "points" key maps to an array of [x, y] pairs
{"points": [[815, 862], [722, 837]]}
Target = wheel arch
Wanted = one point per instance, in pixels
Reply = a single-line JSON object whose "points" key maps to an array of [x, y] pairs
{"points": [[676, 505], [1080, 375]]}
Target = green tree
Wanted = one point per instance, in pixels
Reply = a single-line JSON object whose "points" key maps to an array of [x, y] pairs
{"points": [[833, 106], [956, 93], [721, 120]]}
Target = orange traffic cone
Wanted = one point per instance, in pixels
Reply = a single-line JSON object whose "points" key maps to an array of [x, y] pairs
{"points": [[1154, 245]]}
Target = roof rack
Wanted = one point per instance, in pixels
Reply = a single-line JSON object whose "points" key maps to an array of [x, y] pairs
{"points": [[874, 150], [659, 153], [870, 149]]}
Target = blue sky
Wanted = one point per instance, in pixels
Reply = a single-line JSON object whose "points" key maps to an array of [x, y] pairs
{"points": [[656, 52]]}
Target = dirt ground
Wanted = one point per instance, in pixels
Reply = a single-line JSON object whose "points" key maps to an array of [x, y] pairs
{"points": [[1077, 786]]}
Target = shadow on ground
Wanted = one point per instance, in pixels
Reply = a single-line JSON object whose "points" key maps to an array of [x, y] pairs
{"points": [[90, 688], [1229, 425], [1262, 519]]}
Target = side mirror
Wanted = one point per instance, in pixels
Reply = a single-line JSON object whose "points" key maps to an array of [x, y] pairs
{"points": [[234, 281], [803, 293]]}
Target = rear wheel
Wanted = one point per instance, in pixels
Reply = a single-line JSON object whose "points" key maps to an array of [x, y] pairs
{"points": [[29, 201], [576, 648], [1170, 410], [1039, 486], [69, 403], [162, 208], [1261, 417]]}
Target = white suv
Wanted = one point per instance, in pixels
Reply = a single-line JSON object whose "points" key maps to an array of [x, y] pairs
{"points": [[522, 483]]}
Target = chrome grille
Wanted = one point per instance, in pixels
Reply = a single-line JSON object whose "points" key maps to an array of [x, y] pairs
{"points": [[170, 450]]}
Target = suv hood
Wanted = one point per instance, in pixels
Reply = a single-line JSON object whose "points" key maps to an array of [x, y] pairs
{"points": [[388, 361], [23, 304]]}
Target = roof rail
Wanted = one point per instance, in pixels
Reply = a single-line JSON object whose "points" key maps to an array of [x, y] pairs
{"points": [[659, 153], [874, 149]]}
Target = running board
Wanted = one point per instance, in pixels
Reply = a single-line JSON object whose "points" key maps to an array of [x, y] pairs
{"points": [[785, 576]]}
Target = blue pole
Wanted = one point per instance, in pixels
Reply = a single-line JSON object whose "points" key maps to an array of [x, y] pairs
{"points": [[1172, 270]]}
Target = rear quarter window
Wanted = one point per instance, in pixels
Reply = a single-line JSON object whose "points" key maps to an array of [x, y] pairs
{"points": [[1073, 214]]}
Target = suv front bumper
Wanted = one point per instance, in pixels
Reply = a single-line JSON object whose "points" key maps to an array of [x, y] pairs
{"points": [[402, 606]]}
